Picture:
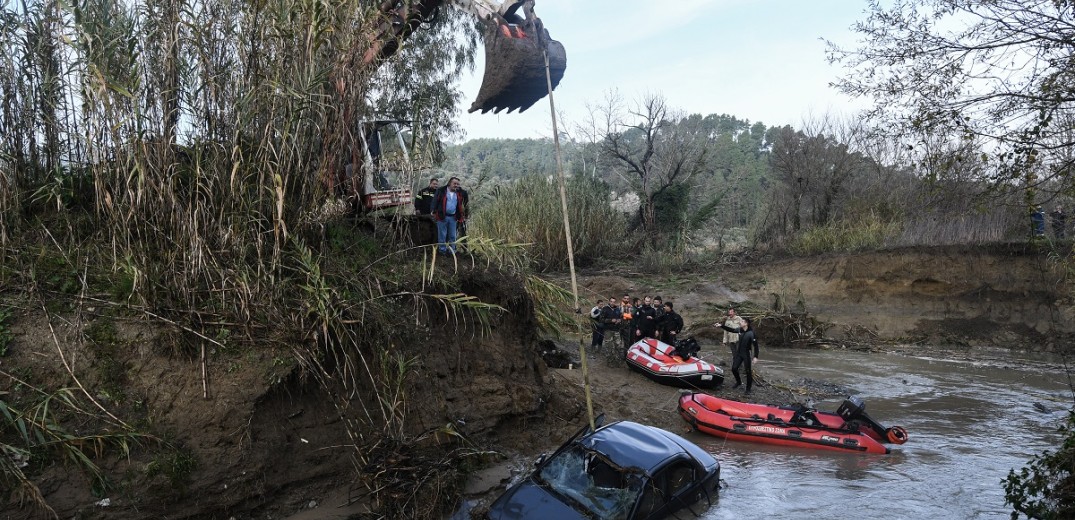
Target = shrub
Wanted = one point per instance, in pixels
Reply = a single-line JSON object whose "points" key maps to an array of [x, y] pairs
{"points": [[844, 236], [529, 212], [1045, 488]]}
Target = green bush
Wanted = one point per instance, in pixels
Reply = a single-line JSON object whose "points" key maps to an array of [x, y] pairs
{"points": [[529, 212], [867, 233], [1045, 488]]}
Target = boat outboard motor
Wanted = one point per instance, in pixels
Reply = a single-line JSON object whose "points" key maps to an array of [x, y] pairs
{"points": [[687, 348], [853, 411]]}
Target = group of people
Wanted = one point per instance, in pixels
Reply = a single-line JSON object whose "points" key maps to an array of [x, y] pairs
{"points": [[632, 319], [1057, 218], [449, 207]]}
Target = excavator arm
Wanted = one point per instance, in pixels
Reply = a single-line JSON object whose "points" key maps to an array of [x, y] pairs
{"points": [[518, 48], [518, 55]]}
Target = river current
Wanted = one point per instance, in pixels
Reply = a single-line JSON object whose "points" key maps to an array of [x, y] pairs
{"points": [[969, 423]]}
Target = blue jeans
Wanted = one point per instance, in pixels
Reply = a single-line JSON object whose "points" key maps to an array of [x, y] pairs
{"points": [[446, 234]]}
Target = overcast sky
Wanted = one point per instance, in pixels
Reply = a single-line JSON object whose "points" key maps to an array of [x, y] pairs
{"points": [[759, 60]]}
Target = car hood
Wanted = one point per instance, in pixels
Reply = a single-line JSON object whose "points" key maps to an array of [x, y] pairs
{"points": [[530, 500]]}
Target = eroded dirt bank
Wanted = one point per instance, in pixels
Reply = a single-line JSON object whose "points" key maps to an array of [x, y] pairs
{"points": [[1006, 295], [270, 443], [1001, 295]]}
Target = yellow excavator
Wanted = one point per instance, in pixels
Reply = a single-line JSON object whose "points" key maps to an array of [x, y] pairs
{"points": [[521, 60]]}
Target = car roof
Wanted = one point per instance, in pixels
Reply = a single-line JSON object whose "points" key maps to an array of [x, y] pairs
{"points": [[629, 444]]}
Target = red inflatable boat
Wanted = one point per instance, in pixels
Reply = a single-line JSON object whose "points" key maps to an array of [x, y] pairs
{"points": [[659, 362], [849, 429]]}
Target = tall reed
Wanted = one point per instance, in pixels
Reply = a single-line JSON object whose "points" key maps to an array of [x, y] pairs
{"points": [[182, 144], [529, 212]]}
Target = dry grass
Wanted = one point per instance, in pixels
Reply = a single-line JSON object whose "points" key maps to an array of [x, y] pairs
{"points": [[529, 212]]}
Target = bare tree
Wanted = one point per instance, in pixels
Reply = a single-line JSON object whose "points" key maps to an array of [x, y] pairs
{"points": [[1000, 71], [648, 147], [815, 166]]}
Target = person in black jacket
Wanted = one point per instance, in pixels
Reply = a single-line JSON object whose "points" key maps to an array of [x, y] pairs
{"points": [[646, 320], [742, 354], [423, 202], [611, 320], [670, 324], [597, 324], [1059, 222]]}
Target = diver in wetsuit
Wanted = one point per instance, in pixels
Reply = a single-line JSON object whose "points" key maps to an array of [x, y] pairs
{"points": [[742, 354]]}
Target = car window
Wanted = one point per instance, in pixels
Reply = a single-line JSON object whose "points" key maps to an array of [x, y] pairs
{"points": [[666, 484], [592, 482], [679, 477]]}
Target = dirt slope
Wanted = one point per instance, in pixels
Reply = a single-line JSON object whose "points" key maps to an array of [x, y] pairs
{"points": [[1005, 295]]}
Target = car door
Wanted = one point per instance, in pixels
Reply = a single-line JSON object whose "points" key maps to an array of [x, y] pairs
{"points": [[670, 489]]}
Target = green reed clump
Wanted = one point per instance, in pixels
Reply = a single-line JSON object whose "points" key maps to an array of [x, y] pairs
{"points": [[6, 335], [176, 465], [1045, 487], [845, 236], [529, 212]]}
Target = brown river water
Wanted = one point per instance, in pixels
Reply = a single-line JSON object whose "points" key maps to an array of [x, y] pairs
{"points": [[969, 423]]}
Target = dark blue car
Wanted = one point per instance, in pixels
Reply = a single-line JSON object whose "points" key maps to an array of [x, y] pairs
{"points": [[623, 470]]}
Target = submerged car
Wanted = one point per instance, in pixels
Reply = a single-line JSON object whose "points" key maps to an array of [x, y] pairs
{"points": [[623, 470]]}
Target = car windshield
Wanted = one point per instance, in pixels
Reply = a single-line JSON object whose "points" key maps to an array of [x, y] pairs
{"points": [[593, 482]]}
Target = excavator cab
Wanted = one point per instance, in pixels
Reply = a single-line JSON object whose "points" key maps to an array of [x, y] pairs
{"points": [[381, 176], [521, 60]]}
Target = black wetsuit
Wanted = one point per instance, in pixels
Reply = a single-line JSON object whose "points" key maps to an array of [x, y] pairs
{"points": [[742, 355]]}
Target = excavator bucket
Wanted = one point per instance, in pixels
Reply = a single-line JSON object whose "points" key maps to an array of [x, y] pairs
{"points": [[515, 65]]}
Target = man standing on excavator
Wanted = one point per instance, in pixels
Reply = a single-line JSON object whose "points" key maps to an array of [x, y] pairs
{"points": [[423, 202], [449, 208]]}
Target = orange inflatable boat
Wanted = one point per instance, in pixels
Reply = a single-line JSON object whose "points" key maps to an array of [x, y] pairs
{"points": [[849, 429], [660, 362]]}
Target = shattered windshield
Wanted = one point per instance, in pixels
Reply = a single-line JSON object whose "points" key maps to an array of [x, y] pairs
{"points": [[597, 484]]}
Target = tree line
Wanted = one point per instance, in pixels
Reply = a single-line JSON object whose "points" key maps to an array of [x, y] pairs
{"points": [[704, 182]]}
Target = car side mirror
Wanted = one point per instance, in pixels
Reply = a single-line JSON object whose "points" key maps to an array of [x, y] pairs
{"points": [[541, 459]]}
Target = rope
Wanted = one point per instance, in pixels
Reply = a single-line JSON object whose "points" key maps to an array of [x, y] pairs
{"points": [[567, 234]]}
